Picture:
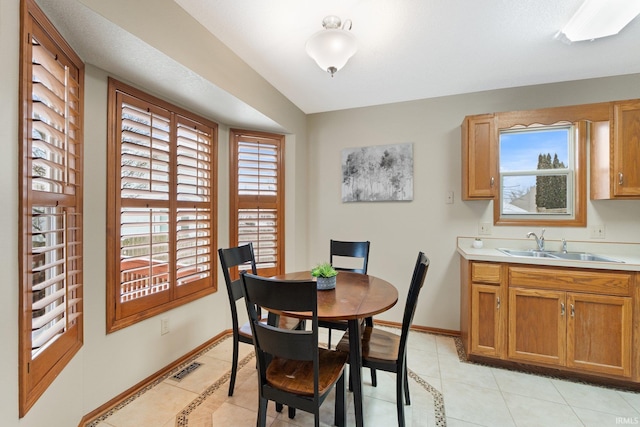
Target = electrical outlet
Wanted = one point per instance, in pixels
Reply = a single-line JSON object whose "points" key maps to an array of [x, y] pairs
{"points": [[596, 231], [164, 326], [484, 228], [449, 197]]}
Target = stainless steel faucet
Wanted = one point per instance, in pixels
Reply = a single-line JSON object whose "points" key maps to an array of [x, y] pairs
{"points": [[539, 240]]}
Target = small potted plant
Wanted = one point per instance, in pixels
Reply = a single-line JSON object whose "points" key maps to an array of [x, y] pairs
{"points": [[326, 276]]}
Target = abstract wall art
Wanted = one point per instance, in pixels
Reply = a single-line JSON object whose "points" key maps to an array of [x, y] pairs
{"points": [[377, 173]]}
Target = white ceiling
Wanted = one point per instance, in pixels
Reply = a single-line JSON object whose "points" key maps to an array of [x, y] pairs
{"points": [[413, 49], [408, 49]]}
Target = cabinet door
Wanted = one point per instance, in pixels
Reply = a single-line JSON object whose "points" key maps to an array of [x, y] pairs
{"points": [[479, 157], [537, 326], [599, 333], [626, 149], [487, 320]]}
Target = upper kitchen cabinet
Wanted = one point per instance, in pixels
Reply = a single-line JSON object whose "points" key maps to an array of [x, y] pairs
{"points": [[479, 157], [615, 153]]}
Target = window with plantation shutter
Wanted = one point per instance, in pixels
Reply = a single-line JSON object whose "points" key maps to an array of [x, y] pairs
{"points": [[161, 206], [51, 93], [257, 197]]}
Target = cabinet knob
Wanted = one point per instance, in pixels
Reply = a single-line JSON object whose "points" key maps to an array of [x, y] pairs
{"points": [[561, 309], [498, 303], [493, 181], [620, 178], [573, 311]]}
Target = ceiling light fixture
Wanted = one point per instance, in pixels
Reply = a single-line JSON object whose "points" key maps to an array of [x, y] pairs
{"points": [[332, 47], [599, 18]]}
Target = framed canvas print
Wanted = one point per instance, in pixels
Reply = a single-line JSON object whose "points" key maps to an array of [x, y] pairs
{"points": [[377, 173]]}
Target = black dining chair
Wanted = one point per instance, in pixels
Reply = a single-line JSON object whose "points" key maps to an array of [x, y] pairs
{"points": [[387, 351], [292, 369], [338, 251], [237, 257]]}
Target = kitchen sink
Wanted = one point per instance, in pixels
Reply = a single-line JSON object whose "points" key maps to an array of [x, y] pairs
{"points": [[584, 256], [527, 253], [574, 256]]}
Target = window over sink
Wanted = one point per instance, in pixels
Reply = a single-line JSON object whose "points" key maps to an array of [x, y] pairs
{"points": [[537, 170]]}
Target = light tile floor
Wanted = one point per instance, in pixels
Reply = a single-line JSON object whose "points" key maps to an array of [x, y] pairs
{"points": [[473, 395]]}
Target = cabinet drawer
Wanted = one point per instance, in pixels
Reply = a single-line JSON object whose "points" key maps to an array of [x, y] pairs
{"points": [[580, 281], [485, 272]]}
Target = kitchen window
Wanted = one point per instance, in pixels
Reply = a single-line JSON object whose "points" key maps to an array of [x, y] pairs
{"points": [[540, 171], [536, 171]]}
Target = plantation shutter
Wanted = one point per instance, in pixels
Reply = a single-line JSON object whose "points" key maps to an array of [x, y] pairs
{"points": [[51, 207], [144, 211], [194, 193], [162, 207], [259, 198]]}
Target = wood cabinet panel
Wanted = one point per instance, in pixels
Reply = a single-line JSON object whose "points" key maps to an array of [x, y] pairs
{"points": [[537, 327], [571, 280], [615, 153], [487, 322], [599, 333], [485, 272], [479, 157], [626, 149]]}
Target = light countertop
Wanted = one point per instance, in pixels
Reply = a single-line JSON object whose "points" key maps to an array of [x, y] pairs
{"points": [[629, 253]]}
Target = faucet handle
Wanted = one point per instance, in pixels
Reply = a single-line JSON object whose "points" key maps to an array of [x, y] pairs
{"points": [[542, 234]]}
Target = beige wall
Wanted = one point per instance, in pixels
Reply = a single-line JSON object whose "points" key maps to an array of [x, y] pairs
{"points": [[397, 230]]}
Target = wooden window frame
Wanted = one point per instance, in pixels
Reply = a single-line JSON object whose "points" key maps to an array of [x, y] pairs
{"points": [[576, 179], [582, 116], [51, 187], [257, 201], [121, 314]]}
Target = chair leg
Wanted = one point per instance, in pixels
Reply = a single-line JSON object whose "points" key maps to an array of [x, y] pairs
{"points": [[292, 412], [399, 395], [374, 378], [279, 407], [340, 417], [329, 341], [234, 365], [262, 412]]}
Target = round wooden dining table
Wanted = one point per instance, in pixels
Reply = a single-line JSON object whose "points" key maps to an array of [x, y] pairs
{"points": [[355, 297]]}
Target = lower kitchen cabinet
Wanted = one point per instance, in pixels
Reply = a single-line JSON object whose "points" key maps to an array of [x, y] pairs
{"points": [[579, 320], [582, 331]]}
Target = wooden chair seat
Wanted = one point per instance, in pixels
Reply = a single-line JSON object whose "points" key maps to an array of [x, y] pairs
{"points": [[377, 345], [296, 376]]}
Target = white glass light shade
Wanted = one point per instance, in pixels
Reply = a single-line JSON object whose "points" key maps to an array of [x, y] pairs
{"points": [[332, 48], [599, 18]]}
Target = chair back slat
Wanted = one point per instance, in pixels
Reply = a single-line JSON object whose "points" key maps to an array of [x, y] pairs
{"points": [[417, 281], [286, 344], [352, 250], [235, 257]]}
